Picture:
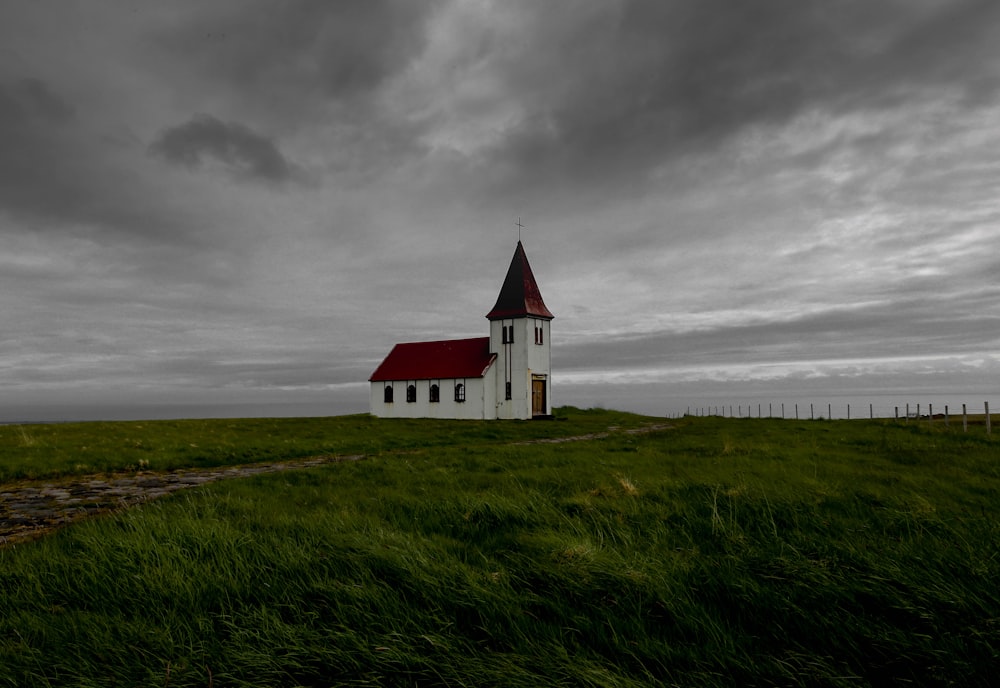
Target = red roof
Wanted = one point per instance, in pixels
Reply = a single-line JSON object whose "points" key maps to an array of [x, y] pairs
{"points": [[450, 358], [519, 295]]}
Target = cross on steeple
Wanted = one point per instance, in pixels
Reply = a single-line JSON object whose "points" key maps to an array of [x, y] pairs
{"points": [[519, 226]]}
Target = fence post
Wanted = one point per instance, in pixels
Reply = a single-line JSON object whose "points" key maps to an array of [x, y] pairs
{"points": [[965, 420], [770, 410], [871, 412], [946, 415], [930, 414], [989, 429], [782, 410], [829, 411], [811, 416], [796, 412], [848, 412], [907, 418], [897, 413]]}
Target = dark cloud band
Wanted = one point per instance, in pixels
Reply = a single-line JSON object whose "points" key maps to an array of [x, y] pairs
{"points": [[243, 151]]}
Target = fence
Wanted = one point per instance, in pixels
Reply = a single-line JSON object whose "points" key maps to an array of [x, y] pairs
{"points": [[908, 414]]}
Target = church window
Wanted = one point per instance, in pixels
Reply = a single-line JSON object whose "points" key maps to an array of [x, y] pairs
{"points": [[387, 397], [539, 334], [459, 391], [411, 393], [508, 334], [435, 394]]}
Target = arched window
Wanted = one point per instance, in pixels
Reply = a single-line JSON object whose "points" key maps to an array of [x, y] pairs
{"points": [[459, 391], [387, 398], [435, 393], [411, 393]]}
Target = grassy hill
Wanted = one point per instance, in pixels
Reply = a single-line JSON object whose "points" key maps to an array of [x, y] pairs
{"points": [[715, 552]]}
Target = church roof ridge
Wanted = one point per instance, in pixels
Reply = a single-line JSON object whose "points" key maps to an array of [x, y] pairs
{"points": [[447, 358], [519, 295]]}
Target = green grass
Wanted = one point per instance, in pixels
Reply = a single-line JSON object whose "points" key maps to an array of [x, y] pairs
{"points": [[721, 552], [65, 449]]}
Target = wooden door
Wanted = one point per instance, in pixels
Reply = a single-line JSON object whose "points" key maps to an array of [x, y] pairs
{"points": [[538, 406]]}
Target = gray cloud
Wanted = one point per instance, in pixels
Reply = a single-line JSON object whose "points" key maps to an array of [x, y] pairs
{"points": [[303, 54], [57, 176], [613, 93], [900, 328], [33, 141], [244, 152], [27, 99]]}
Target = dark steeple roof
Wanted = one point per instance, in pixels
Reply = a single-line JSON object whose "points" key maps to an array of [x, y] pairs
{"points": [[519, 295]]}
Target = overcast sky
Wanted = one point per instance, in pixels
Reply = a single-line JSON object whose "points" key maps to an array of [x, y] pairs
{"points": [[253, 201]]}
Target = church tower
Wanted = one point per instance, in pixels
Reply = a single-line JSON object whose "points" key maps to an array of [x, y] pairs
{"points": [[519, 336]]}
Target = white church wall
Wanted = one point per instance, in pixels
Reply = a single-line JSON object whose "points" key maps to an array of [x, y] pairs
{"points": [[490, 393], [524, 358], [539, 358], [447, 407], [539, 355]]}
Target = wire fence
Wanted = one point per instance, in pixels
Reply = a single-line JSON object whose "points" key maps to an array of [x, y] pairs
{"points": [[945, 415]]}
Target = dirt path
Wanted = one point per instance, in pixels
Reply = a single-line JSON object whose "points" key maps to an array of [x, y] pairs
{"points": [[31, 509]]}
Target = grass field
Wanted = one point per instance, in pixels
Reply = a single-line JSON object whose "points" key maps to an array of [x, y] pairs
{"points": [[718, 552], [65, 449]]}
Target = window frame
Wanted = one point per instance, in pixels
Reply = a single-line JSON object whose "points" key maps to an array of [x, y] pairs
{"points": [[506, 334]]}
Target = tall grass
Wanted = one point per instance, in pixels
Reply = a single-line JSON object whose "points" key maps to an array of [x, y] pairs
{"points": [[722, 552]]}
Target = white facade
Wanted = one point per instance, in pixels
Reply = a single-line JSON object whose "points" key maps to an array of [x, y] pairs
{"points": [[480, 394], [525, 364]]}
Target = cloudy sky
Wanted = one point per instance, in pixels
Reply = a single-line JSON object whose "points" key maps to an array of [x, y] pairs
{"points": [[253, 201]]}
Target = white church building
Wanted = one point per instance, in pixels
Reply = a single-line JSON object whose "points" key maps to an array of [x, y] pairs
{"points": [[505, 375]]}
